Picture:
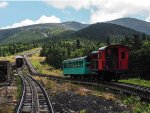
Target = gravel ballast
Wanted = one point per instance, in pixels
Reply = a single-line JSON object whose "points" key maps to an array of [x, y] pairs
{"points": [[70, 102]]}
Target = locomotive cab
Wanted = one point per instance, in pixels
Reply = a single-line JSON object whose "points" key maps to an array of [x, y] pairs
{"points": [[116, 57], [109, 61]]}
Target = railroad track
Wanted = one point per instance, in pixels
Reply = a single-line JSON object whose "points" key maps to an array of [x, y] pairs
{"points": [[34, 97], [29, 65], [141, 91]]}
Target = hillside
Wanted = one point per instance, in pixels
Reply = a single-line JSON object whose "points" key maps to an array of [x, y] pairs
{"points": [[39, 31], [100, 31], [138, 25]]}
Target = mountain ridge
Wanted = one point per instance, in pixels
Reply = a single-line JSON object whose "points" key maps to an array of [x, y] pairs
{"points": [[70, 29], [100, 31], [133, 23]]}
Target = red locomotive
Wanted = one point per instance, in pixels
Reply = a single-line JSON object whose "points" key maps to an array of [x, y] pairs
{"points": [[108, 62]]}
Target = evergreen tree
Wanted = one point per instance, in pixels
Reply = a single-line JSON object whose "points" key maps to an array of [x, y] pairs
{"points": [[108, 40]]}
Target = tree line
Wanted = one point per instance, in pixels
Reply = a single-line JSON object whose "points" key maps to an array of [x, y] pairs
{"points": [[13, 48]]}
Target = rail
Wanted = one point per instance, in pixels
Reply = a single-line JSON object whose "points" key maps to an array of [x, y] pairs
{"points": [[34, 97]]}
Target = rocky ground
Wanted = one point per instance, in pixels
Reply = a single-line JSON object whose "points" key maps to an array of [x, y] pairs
{"points": [[8, 97], [70, 102]]}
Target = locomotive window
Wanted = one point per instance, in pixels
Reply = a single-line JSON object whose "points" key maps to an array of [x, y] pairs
{"points": [[123, 55], [88, 59], [96, 56]]}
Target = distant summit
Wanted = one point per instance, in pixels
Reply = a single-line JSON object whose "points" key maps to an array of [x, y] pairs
{"points": [[74, 25], [136, 24], [100, 31]]}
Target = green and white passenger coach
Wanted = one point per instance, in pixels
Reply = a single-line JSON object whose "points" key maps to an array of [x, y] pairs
{"points": [[76, 67]]}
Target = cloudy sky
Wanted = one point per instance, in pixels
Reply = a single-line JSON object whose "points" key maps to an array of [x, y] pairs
{"points": [[21, 13]]}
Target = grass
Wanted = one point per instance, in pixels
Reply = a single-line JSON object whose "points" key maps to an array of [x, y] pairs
{"points": [[83, 90], [42, 67], [19, 87], [83, 111], [135, 104], [5, 108], [137, 81]]}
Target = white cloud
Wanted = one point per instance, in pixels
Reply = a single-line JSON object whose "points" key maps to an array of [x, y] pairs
{"points": [[75, 4], [3, 4], [105, 10], [148, 19], [110, 10], [42, 19]]}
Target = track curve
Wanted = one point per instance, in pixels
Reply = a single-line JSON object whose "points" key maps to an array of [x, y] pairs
{"points": [[34, 97]]}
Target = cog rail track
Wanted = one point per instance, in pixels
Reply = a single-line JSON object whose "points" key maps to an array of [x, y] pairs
{"points": [[34, 98], [141, 91]]}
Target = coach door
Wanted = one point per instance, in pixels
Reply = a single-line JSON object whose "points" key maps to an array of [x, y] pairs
{"points": [[112, 58]]}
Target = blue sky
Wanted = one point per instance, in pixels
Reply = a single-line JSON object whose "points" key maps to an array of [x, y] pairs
{"points": [[16, 13]]}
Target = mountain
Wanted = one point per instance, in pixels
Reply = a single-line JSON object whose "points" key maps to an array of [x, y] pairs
{"points": [[138, 25], [72, 25], [39, 31], [100, 31], [71, 29]]}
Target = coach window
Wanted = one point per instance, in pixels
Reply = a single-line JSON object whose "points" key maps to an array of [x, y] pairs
{"points": [[74, 64], [64, 65], [81, 63], [123, 55], [77, 64], [69, 65]]}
